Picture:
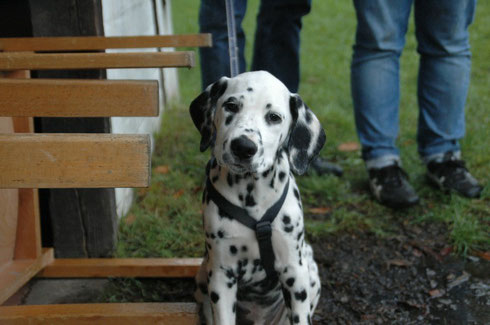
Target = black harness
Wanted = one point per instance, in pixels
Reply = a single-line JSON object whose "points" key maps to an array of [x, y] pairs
{"points": [[262, 227]]}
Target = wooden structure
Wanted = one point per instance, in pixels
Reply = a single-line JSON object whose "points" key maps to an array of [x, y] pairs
{"points": [[29, 161]]}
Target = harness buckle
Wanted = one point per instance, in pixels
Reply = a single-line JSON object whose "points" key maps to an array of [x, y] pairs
{"points": [[263, 230]]}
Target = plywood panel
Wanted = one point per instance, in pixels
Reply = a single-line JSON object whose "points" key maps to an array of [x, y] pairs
{"points": [[74, 160]]}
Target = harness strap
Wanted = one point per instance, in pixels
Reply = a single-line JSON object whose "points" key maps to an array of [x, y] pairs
{"points": [[262, 227]]}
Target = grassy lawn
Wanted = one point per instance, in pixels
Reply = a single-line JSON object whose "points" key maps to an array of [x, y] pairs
{"points": [[166, 219]]}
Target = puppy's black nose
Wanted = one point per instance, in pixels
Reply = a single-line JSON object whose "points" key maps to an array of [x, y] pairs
{"points": [[243, 148]]}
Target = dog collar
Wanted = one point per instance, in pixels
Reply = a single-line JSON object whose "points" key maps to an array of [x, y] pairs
{"points": [[262, 227]]}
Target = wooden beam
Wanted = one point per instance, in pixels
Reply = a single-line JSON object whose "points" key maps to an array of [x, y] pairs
{"points": [[77, 98], [67, 61], [17, 273], [104, 314], [122, 267], [74, 160], [92, 43]]}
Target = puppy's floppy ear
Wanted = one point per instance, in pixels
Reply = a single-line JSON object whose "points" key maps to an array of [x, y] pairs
{"points": [[306, 138], [202, 111]]}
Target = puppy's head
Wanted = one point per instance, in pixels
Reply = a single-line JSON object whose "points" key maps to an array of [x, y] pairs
{"points": [[248, 119]]}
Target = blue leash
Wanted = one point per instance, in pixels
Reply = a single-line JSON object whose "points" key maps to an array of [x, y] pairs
{"points": [[232, 42]]}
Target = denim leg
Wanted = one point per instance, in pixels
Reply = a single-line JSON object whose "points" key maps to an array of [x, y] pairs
{"points": [[380, 38], [444, 73], [277, 39], [215, 60]]}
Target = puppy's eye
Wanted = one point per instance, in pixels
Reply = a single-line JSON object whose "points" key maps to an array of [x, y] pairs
{"points": [[273, 118], [231, 107]]}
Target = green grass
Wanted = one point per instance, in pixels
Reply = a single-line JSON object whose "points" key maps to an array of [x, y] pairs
{"points": [[166, 219]]}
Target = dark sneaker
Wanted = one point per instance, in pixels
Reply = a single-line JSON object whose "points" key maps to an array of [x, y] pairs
{"points": [[390, 187], [451, 174]]}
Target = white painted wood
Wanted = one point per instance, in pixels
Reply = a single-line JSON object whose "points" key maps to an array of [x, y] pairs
{"points": [[136, 18]]}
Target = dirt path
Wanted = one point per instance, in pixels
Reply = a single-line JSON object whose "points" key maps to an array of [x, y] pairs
{"points": [[411, 278]]}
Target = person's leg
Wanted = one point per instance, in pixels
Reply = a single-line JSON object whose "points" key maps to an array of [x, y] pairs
{"points": [[444, 77], [444, 73], [277, 39], [215, 60], [380, 38]]}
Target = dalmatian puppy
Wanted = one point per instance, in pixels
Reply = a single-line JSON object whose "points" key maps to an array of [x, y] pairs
{"points": [[259, 134]]}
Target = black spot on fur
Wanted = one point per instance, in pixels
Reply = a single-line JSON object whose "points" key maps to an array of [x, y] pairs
{"points": [[268, 106], [290, 282], [288, 228], [250, 187], [244, 248], [296, 319], [229, 119], [264, 174], [287, 297], [214, 297], [300, 234], [250, 201], [296, 193], [250, 89], [286, 219], [300, 295], [204, 288], [282, 175], [223, 214], [240, 197], [233, 249], [220, 234]]}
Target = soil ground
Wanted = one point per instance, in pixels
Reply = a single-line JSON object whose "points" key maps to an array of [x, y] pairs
{"points": [[411, 278]]}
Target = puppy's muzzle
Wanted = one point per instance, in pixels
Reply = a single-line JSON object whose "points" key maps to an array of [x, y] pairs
{"points": [[243, 148]]}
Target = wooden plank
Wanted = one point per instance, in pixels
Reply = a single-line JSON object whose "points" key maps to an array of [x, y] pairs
{"points": [[9, 206], [28, 234], [104, 314], [91, 43], [62, 61], [78, 98], [122, 267], [17, 273], [74, 160]]}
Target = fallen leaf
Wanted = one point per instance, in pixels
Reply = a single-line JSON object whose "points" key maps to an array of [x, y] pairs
{"points": [[349, 146], [484, 255], [398, 262], [368, 317], [459, 280], [142, 191], [178, 194], [436, 293], [446, 251], [130, 219], [320, 210], [163, 169]]}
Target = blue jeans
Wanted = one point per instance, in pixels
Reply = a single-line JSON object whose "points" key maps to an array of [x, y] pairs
{"points": [[277, 41], [443, 76]]}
